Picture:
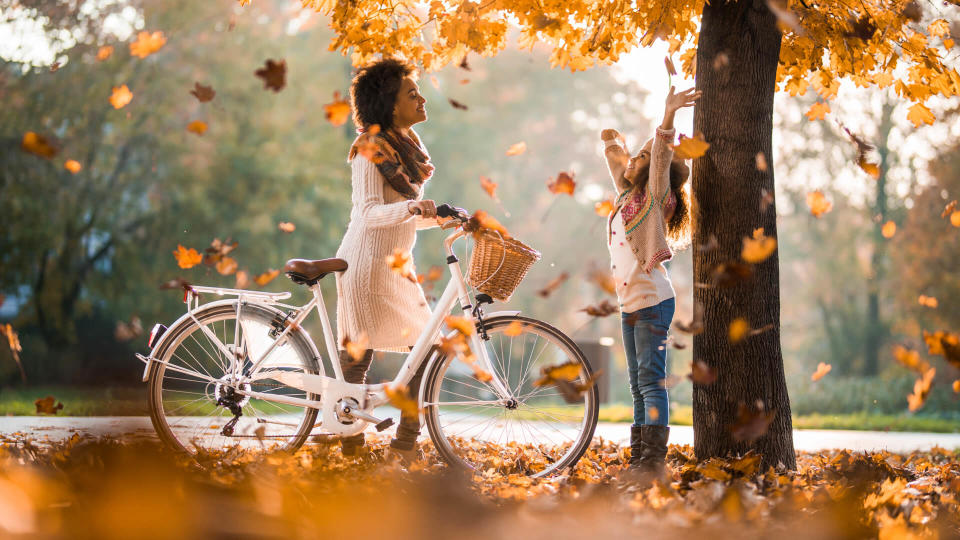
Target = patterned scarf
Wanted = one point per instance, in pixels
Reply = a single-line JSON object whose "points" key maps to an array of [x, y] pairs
{"points": [[400, 158]]}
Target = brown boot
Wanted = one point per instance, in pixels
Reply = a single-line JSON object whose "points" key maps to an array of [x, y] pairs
{"points": [[653, 448]]}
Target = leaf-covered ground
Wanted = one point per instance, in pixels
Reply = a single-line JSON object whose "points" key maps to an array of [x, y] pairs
{"points": [[111, 488]]}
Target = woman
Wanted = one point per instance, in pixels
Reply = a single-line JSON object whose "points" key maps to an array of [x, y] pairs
{"points": [[650, 218], [390, 169]]}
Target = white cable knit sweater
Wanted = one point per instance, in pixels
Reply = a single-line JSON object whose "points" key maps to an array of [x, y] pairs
{"points": [[371, 298]]}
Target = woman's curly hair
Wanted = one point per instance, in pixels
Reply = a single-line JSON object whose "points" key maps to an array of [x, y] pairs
{"points": [[373, 93]]}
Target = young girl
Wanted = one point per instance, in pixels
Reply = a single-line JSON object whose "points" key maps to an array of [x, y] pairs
{"points": [[651, 208]]}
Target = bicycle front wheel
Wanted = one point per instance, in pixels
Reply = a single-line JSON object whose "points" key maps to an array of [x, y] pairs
{"points": [[542, 430], [191, 407]]}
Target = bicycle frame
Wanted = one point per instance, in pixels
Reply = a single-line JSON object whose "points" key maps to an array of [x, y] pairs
{"points": [[368, 396]]}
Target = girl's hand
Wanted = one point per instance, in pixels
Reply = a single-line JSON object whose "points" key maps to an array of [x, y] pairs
{"points": [[426, 208], [609, 134], [685, 98]]}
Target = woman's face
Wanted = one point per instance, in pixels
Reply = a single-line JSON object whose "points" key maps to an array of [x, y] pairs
{"points": [[409, 109]]}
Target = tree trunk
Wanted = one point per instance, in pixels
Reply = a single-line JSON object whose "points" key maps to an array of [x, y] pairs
{"points": [[737, 61]]}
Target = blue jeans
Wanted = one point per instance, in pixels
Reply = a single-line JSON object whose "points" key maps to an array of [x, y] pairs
{"points": [[644, 340]]}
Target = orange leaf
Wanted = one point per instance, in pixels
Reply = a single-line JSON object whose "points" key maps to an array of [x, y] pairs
{"points": [[956, 386], [822, 369], [921, 390], [38, 145], [266, 277], [197, 126], [517, 149], [927, 301], [243, 279], [481, 221], [671, 69], [738, 329], [46, 405], [919, 115], [489, 186], [759, 248], [227, 266], [147, 44], [602, 309], [337, 112], [909, 359], [761, 162], [818, 110], [72, 165], [948, 209], [691, 147], [402, 263], [401, 399], [701, 373], [870, 168], [818, 203], [461, 324], [563, 183], [187, 258], [955, 219], [356, 349], [286, 226], [604, 207], [120, 97], [202, 93], [104, 52], [513, 329], [889, 229]]}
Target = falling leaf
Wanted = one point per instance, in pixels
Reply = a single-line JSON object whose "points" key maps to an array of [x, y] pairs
{"points": [[400, 398], [818, 110], [818, 203], [604, 279], [120, 97], [603, 309], [945, 344], [337, 112], [434, 273], [712, 244], [187, 258], [730, 273], [761, 162], [226, 266], [147, 44], [274, 75], [787, 20], [513, 329], [671, 69], [949, 209], [910, 359], [286, 226], [464, 65], [563, 183], [956, 386], [104, 52], [822, 369], [358, 348], [456, 104], [489, 186], [870, 168], [217, 250], [752, 422], [125, 331], [955, 219], [701, 373], [759, 248], [553, 285], [202, 93], [464, 325], [720, 61], [738, 329], [198, 127], [481, 221], [928, 301], [517, 149], [266, 277], [567, 371], [13, 341], [920, 115], [691, 147], [243, 280], [766, 199], [38, 145], [604, 208], [912, 11], [435, 82], [889, 229], [46, 405], [921, 390], [401, 263], [72, 165]]}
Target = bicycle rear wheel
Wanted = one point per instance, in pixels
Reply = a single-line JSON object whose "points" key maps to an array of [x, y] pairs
{"points": [[544, 429], [187, 411]]}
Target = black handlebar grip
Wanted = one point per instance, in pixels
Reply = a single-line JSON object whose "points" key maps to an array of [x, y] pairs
{"points": [[447, 211]]}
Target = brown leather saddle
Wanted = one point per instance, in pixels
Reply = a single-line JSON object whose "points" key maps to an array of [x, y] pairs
{"points": [[308, 272]]}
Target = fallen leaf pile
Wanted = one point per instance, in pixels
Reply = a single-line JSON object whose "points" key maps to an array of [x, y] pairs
{"points": [[112, 488]]}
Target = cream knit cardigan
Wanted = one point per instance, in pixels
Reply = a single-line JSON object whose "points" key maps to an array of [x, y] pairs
{"points": [[373, 300]]}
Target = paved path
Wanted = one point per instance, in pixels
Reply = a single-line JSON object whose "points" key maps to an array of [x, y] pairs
{"points": [[58, 428]]}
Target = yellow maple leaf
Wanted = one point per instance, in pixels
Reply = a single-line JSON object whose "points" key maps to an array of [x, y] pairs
{"points": [[889, 229], [400, 398], [72, 165], [187, 258], [461, 324], [870, 168], [759, 248], [919, 115], [822, 369], [818, 110], [513, 329], [120, 97], [818, 203], [266, 277], [604, 207], [337, 112], [147, 43], [104, 52], [197, 126], [691, 147], [738, 329], [226, 265]]}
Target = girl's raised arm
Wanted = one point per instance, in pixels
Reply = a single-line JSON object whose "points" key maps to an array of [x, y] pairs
{"points": [[617, 159], [662, 152]]}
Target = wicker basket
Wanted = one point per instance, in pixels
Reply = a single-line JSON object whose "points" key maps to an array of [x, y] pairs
{"points": [[498, 264]]}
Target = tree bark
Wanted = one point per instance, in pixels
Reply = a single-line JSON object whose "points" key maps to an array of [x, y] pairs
{"points": [[737, 59]]}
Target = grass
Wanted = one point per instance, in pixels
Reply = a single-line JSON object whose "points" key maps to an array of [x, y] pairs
{"points": [[132, 401]]}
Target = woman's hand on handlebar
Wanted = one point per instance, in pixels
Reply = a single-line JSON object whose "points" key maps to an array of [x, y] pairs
{"points": [[426, 208]]}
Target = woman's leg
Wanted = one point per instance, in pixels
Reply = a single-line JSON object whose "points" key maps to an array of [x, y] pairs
{"points": [[409, 428], [354, 371]]}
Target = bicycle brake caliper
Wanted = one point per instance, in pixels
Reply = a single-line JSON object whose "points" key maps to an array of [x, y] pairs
{"points": [[481, 299]]}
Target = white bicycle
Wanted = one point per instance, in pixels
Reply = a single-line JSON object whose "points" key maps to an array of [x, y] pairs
{"points": [[243, 371]]}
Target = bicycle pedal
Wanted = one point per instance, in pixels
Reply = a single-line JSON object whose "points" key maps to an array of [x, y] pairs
{"points": [[384, 424]]}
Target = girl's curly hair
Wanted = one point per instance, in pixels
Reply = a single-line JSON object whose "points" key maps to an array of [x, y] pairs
{"points": [[373, 92], [678, 226]]}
